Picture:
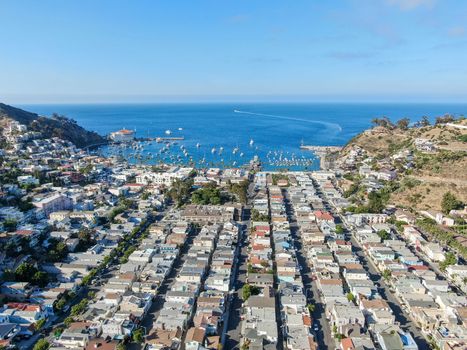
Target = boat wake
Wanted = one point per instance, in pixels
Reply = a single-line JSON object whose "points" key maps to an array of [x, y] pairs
{"points": [[334, 126]]}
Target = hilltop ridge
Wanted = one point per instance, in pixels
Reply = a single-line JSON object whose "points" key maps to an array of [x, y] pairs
{"points": [[54, 126]]}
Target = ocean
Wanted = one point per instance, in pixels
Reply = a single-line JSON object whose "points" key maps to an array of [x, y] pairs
{"points": [[231, 134]]}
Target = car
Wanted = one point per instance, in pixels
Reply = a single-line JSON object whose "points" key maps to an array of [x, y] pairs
{"points": [[316, 327]]}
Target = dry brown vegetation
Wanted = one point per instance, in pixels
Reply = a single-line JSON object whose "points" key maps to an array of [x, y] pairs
{"points": [[438, 172]]}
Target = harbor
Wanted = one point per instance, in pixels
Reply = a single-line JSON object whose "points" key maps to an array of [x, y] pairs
{"points": [[182, 151]]}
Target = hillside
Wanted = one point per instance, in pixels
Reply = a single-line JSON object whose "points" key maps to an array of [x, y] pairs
{"points": [[56, 126], [423, 176]]}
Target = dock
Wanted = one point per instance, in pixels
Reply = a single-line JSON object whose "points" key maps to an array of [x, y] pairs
{"points": [[160, 139], [326, 162], [321, 148], [176, 138]]}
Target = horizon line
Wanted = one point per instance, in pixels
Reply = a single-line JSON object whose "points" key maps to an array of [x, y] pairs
{"points": [[103, 102]]}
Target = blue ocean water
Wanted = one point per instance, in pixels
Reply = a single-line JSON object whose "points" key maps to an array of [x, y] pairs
{"points": [[277, 130]]}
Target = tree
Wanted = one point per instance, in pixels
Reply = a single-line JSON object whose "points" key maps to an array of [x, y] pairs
{"points": [[69, 320], [403, 123], [121, 346], [240, 190], [58, 332], [386, 274], [450, 202], [180, 191], [86, 238], [339, 229], [10, 225], [311, 308], [424, 121], [39, 324], [375, 202], [447, 118], [248, 291], [138, 335], [210, 194], [41, 344], [449, 259], [383, 122], [383, 234], [25, 271], [40, 279], [79, 308], [58, 250], [60, 304], [350, 297], [257, 216]]}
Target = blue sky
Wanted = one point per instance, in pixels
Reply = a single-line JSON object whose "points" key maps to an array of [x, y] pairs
{"points": [[245, 50]]}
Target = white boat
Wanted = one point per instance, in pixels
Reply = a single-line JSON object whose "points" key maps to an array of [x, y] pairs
{"points": [[180, 129], [235, 150], [168, 132], [241, 154], [213, 150], [252, 142]]}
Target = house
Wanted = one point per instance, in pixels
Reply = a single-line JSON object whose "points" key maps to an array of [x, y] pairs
{"points": [[8, 332], [18, 291], [195, 338], [347, 318], [161, 339], [259, 323], [52, 203], [396, 340], [433, 251]]}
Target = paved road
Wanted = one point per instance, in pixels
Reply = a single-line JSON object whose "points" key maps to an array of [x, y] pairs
{"points": [[159, 300], [232, 338], [405, 322], [323, 335]]}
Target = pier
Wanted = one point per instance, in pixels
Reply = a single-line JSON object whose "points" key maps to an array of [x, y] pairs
{"points": [[160, 139], [321, 148], [176, 138], [323, 152]]}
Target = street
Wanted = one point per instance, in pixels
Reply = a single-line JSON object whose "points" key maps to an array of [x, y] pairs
{"points": [[323, 335]]}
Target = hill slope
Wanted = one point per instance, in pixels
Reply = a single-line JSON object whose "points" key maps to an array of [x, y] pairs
{"points": [[57, 126], [431, 173]]}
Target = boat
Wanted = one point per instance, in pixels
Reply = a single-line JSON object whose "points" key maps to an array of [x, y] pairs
{"points": [[180, 129], [213, 150], [168, 132], [198, 145], [252, 142]]}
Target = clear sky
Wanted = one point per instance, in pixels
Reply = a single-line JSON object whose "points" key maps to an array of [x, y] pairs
{"points": [[272, 50]]}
